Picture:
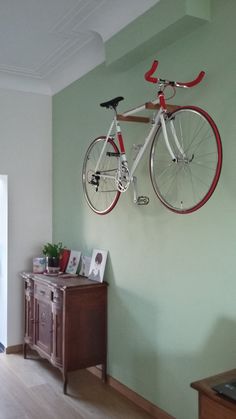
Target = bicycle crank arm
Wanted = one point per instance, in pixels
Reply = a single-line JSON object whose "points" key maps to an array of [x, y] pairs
{"points": [[139, 200]]}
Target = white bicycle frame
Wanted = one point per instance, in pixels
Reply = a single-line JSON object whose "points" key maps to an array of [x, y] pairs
{"points": [[158, 120]]}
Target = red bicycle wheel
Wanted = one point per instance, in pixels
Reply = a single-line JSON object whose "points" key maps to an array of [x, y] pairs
{"points": [[100, 188], [186, 183]]}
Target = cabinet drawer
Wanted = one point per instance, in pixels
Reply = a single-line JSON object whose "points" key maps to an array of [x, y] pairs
{"points": [[42, 292]]}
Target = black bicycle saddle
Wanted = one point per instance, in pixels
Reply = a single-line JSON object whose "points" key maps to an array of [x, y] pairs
{"points": [[112, 103]]}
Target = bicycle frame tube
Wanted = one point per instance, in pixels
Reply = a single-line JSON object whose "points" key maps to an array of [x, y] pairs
{"points": [[119, 136], [159, 119], [105, 143]]}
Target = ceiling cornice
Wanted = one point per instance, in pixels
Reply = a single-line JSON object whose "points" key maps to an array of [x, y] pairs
{"points": [[46, 47], [68, 38]]}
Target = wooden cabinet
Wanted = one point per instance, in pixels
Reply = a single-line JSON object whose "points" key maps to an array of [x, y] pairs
{"points": [[66, 321], [211, 405]]}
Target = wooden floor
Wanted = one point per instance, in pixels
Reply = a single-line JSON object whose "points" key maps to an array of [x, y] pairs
{"points": [[32, 389]]}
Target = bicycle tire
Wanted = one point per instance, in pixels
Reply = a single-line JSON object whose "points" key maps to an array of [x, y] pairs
{"points": [[103, 196], [186, 184]]}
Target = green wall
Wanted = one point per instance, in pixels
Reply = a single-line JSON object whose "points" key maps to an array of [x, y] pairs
{"points": [[172, 287]]}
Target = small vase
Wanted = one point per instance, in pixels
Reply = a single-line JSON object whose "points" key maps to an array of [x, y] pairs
{"points": [[52, 265]]}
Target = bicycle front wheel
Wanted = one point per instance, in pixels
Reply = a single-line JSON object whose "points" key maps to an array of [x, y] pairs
{"points": [[186, 183], [100, 188]]}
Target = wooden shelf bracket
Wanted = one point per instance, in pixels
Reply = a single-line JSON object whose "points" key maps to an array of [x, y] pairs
{"points": [[143, 119]]}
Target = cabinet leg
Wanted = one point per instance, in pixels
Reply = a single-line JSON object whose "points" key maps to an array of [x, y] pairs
{"points": [[104, 372], [25, 350], [65, 381]]}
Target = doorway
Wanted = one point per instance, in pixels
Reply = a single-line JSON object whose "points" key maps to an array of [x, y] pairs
{"points": [[3, 259]]}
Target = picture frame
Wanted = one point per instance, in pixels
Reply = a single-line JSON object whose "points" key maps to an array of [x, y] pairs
{"points": [[85, 265], [73, 262], [64, 258], [98, 264]]}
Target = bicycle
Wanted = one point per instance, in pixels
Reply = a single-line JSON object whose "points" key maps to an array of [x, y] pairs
{"points": [[185, 156]]}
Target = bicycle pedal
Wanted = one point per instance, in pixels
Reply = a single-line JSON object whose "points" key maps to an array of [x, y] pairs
{"points": [[142, 200]]}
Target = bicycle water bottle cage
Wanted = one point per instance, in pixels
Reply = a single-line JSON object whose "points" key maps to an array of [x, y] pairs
{"points": [[112, 103]]}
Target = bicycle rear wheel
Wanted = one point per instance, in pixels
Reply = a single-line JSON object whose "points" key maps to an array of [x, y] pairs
{"points": [[186, 184], [100, 188]]}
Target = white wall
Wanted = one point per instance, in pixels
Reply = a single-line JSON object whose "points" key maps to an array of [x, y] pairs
{"points": [[3, 257], [26, 159]]}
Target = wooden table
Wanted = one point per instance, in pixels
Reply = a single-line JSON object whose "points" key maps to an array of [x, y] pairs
{"points": [[211, 405]]}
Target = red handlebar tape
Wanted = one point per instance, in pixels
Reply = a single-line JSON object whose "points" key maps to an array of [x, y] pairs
{"points": [[149, 73]]}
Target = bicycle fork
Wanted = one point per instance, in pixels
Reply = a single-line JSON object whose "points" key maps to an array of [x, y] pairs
{"points": [[159, 120]]}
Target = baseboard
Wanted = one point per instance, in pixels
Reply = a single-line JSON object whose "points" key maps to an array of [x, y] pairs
{"points": [[13, 349], [144, 404]]}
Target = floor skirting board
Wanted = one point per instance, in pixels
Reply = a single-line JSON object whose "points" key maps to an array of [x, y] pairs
{"points": [[138, 400], [13, 349], [144, 404]]}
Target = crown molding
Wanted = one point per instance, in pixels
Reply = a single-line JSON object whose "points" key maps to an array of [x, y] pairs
{"points": [[11, 81], [63, 47]]}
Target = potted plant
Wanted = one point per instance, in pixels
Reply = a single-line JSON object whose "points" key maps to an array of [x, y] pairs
{"points": [[52, 253]]}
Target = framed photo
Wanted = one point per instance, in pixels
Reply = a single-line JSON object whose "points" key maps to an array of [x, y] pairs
{"points": [[98, 264], [85, 265], [64, 257], [73, 262]]}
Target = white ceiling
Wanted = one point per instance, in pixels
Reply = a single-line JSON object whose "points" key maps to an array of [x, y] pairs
{"points": [[47, 44]]}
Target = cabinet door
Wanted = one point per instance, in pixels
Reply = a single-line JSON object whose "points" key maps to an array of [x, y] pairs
{"points": [[43, 325]]}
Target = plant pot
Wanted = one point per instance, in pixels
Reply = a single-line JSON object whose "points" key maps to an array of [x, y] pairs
{"points": [[52, 265]]}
